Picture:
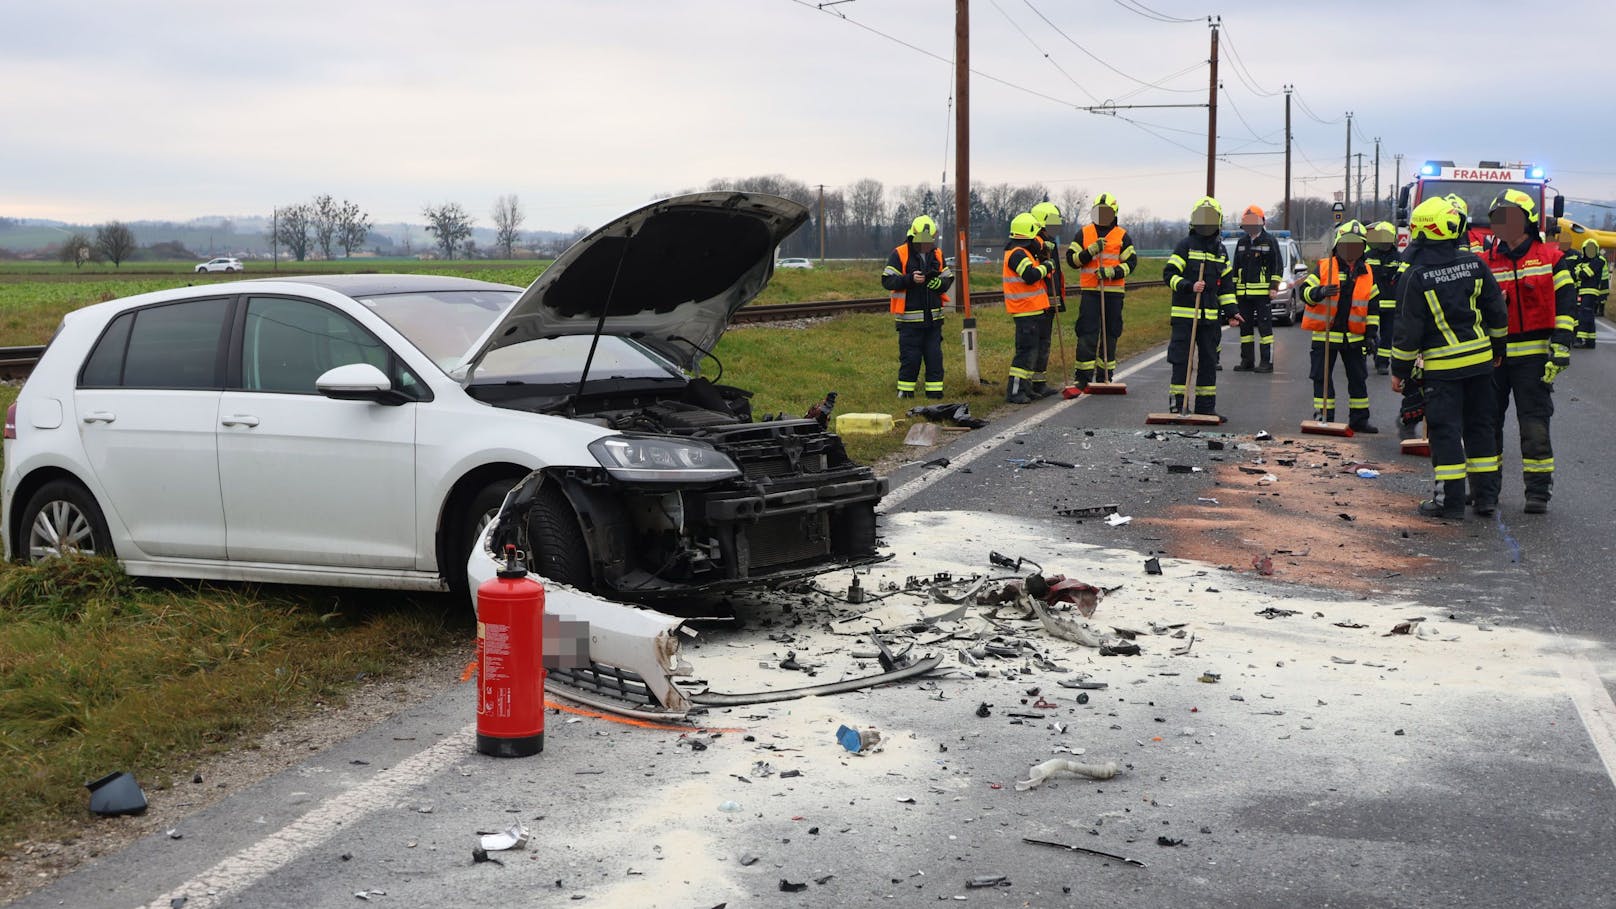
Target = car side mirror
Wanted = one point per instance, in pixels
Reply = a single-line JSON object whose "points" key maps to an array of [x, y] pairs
{"points": [[1299, 268], [1402, 206], [1559, 206], [358, 382]]}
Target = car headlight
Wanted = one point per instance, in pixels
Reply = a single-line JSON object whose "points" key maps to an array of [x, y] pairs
{"points": [[651, 459]]}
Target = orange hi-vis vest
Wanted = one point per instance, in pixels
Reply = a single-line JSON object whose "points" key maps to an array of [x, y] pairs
{"points": [[899, 302], [1320, 316], [1020, 297], [1110, 256]]}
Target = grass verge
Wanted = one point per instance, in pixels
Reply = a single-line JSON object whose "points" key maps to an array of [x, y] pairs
{"points": [[99, 673]]}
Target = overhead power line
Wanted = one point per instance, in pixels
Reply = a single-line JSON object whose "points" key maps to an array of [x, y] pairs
{"points": [[1240, 69], [1043, 53], [1309, 111], [1142, 10], [1242, 117], [1091, 55]]}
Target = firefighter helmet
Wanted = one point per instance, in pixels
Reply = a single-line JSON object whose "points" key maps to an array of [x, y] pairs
{"points": [[1206, 211], [1252, 215], [1514, 198], [1106, 200], [1024, 226], [1381, 232], [1590, 247], [1434, 219], [1350, 232], [923, 229], [1047, 213]]}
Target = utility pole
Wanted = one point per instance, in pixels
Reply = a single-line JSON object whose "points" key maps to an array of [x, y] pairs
{"points": [[1287, 157], [1397, 181], [1346, 170], [1357, 205], [962, 181], [1212, 113], [1377, 178], [821, 224], [275, 237]]}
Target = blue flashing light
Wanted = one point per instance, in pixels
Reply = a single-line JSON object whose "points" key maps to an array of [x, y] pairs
{"points": [[1534, 173], [1428, 170]]}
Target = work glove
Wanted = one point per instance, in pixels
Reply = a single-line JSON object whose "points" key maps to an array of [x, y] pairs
{"points": [[1560, 355], [1370, 346], [1060, 304], [1111, 273], [1551, 371], [935, 284], [1093, 249]]}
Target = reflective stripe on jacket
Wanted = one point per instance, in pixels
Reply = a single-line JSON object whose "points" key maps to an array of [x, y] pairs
{"points": [[1110, 257], [1321, 314], [1024, 297], [913, 302], [1532, 285]]}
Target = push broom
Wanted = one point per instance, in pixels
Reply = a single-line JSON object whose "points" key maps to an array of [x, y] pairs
{"points": [[1188, 417], [1326, 427], [1110, 386]]}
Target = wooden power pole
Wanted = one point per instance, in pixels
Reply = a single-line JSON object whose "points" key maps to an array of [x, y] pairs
{"points": [[1212, 115], [962, 181], [1287, 157]]}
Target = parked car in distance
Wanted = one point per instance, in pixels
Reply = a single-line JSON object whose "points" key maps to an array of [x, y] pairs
{"points": [[794, 263], [363, 430], [1285, 301], [223, 263]]}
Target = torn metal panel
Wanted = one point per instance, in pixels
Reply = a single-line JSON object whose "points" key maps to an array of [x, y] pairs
{"points": [[719, 699]]}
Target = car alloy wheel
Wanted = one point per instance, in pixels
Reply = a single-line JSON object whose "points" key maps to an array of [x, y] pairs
{"points": [[59, 528]]}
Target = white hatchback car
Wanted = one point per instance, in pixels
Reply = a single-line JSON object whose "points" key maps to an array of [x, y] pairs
{"points": [[224, 264], [794, 263], [361, 430]]}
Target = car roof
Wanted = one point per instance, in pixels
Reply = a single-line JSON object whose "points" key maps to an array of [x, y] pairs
{"points": [[382, 284]]}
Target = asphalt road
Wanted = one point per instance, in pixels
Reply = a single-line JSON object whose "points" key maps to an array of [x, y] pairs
{"points": [[1318, 764]]}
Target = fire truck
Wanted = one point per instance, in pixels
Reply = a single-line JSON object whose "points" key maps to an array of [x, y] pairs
{"points": [[1478, 184]]}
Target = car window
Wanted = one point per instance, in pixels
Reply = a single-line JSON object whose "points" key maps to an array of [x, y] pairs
{"points": [[174, 345], [288, 343]]}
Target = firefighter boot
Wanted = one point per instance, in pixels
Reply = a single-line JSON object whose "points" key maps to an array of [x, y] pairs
{"points": [[1015, 391], [1081, 378], [1448, 502], [1321, 415], [1484, 492], [1406, 431], [1175, 403], [1265, 362], [1040, 390], [1207, 406], [1359, 422], [1246, 364]]}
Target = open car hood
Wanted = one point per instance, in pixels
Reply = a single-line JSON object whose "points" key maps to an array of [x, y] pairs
{"points": [[669, 275]]}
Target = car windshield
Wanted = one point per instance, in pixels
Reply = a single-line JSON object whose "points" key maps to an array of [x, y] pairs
{"points": [[559, 361], [444, 324], [1479, 196]]}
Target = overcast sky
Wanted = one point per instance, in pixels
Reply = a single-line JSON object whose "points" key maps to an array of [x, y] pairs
{"points": [[176, 109]]}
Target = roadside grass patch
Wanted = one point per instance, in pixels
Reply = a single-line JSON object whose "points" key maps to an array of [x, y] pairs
{"points": [[99, 672]]}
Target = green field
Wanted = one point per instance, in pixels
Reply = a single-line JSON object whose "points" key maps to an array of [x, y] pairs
{"points": [[98, 672]]}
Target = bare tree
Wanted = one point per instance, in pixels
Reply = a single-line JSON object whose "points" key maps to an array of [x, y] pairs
{"points": [[77, 248], [115, 242], [449, 225], [353, 226], [325, 218], [866, 203], [292, 230], [508, 218], [1074, 206]]}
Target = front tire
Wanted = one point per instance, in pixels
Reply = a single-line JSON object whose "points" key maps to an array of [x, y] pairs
{"points": [[62, 518], [558, 548]]}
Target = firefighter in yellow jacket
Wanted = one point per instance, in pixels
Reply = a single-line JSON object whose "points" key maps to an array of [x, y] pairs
{"points": [[1104, 256], [919, 282], [1340, 294], [1026, 300]]}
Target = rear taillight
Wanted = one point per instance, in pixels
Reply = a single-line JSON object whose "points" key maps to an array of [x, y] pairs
{"points": [[11, 422]]}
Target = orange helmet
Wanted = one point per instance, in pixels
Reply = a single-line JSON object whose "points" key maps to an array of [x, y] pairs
{"points": [[1252, 215]]}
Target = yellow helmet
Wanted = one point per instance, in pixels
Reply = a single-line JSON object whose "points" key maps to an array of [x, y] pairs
{"points": [[923, 229], [1350, 232], [1024, 226], [1434, 219], [1381, 232], [1514, 198], [1458, 204], [1590, 247], [1106, 200], [1206, 211], [1047, 214]]}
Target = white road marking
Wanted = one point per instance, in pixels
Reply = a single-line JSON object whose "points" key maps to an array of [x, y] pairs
{"points": [[1594, 706], [898, 496], [236, 873]]}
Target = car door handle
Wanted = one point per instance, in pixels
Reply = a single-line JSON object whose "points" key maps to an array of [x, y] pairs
{"points": [[100, 416], [240, 419]]}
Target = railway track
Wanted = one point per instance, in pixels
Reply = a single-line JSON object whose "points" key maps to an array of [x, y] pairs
{"points": [[17, 362]]}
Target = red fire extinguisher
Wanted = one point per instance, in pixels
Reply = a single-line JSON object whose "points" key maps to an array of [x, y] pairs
{"points": [[510, 662]]}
